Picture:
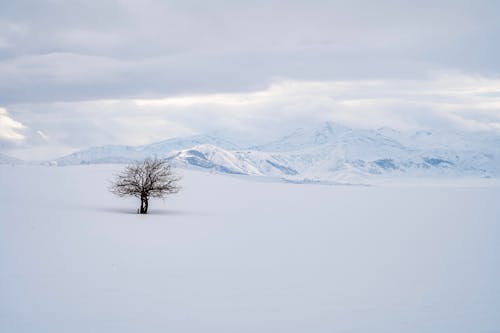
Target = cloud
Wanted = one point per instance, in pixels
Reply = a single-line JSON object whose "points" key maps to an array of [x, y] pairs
{"points": [[10, 129], [136, 71], [122, 49], [3, 43], [468, 102], [442, 101]]}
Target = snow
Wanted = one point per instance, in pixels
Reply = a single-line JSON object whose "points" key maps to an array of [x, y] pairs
{"points": [[5, 159], [231, 255], [326, 153]]}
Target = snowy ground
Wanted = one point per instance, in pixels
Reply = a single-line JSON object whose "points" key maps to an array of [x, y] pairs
{"points": [[230, 255]]}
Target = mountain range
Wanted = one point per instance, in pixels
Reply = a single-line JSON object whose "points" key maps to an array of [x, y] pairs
{"points": [[5, 159], [327, 153]]}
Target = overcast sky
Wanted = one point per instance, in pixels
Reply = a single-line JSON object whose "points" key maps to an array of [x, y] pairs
{"points": [[75, 74]]}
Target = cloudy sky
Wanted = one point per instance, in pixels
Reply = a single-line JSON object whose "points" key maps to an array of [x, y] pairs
{"points": [[75, 74]]}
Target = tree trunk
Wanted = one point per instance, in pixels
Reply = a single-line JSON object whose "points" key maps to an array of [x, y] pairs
{"points": [[144, 205]]}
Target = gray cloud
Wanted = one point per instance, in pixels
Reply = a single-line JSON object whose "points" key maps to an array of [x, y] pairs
{"points": [[75, 50]]}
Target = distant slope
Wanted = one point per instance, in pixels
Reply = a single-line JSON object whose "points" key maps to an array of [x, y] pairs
{"points": [[126, 154], [234, 162], [5, 159], [329, 152]]}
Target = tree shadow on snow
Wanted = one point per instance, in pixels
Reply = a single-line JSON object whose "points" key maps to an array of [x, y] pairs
{"points": [[122, 210]]}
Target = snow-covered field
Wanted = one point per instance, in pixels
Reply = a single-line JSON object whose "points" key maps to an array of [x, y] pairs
{"points": [[231, 255]]}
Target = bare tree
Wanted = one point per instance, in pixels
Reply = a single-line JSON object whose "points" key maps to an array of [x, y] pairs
{"points": [[151, 178]]}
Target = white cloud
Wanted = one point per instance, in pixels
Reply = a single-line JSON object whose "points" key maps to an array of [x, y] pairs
{"points": [[42, 135], [452, 99], [10, 129], [467, 103]]}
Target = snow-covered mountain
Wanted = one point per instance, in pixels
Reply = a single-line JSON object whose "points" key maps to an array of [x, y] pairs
{"points": [[304, 138], [126, 154], [5, 159], [329, 152]]}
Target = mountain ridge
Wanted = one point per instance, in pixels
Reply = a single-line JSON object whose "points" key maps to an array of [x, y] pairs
{"points": [[329, 152], [6, 159]]}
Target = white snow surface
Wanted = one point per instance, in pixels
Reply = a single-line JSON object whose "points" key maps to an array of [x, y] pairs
{"points": [[230, 255]]}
